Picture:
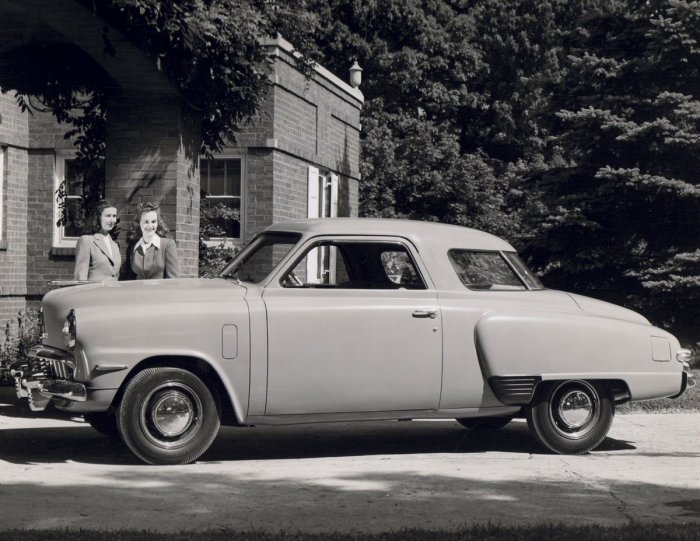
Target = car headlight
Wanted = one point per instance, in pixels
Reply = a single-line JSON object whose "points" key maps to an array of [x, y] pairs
{"points": [[69, 330]]}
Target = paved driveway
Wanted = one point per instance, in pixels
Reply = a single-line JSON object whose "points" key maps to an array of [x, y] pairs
{"points": [[350, 476]]}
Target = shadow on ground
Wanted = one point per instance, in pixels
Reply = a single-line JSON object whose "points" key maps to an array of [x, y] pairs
{"points": [[55, 444]]}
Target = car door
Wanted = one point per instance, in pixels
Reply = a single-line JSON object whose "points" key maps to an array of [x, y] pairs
{"points": [[353, 326]]}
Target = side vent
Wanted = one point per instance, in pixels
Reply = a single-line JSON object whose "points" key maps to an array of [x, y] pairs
{"points": [[514, 390]]}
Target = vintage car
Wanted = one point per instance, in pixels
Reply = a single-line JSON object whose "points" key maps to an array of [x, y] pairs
{"points": [[346, 319]]}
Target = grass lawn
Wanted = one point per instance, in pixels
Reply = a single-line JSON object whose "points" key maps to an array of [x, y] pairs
{"points": [[637, 532]]}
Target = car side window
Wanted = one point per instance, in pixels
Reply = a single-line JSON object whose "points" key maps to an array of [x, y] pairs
{"points": [[483, 270], [355, 265]]}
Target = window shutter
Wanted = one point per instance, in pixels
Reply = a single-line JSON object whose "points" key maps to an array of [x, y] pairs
{"points": [[313, 195], [334, 195], [313, 259]]}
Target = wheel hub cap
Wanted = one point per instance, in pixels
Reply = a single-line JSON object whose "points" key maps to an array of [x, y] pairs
{"points": [[172, 414], [575, 409]]}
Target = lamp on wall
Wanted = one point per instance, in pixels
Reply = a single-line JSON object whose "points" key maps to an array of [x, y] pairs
{"points": [[355, 75]]}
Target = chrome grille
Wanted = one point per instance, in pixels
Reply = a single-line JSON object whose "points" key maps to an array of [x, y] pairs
{"points": [[52, 366], [59, 369]]}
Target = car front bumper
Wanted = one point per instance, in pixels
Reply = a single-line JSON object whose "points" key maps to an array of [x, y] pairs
{"points": [[47, 374]]}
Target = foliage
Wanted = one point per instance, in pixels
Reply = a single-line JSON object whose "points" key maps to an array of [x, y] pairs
{"points": [[453, 95], [18, 340], [216, 220], [620, 214], [210, 49]]}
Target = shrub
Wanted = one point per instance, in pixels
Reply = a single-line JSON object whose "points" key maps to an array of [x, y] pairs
{"points": [[18, 339]]}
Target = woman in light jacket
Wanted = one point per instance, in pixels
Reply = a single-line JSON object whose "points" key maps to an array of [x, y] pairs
{"points": [[152, 255], [97, 256]]}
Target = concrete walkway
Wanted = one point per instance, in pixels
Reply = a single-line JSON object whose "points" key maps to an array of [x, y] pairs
{"points": [[348, 477]]}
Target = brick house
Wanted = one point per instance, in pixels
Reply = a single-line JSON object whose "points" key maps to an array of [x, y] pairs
{"points": [[299, 158]]}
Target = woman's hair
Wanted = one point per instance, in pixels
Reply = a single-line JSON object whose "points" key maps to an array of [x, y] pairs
{"points": [[141, 209], [103, 204]]}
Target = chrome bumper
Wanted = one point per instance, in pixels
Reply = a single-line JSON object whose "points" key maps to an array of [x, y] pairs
{"points": [[687, 380], [47, 373]]}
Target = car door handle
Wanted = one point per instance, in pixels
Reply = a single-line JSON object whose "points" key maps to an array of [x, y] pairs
{"points": [[432, 314]]}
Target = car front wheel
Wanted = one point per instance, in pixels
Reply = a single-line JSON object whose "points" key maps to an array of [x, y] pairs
{"points": [[104, 422], [571, 417], [168, 416]]}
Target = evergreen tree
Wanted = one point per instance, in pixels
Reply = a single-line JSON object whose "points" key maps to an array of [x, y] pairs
{"points": [[619, 216]]}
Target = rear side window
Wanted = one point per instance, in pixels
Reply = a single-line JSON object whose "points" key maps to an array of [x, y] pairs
{"points": [[485, 270]]}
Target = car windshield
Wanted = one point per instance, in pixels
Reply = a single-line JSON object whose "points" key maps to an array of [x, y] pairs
{"points": [[260, 257], [484, 270]]}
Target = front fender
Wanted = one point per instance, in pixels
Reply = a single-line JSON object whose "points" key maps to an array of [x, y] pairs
{"points": [[558, 346]]}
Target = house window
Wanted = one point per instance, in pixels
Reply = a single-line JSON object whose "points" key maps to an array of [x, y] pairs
{"points": [[222, 181], [68, 195]]}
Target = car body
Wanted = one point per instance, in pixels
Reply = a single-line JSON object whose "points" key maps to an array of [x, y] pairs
{"points": [[346, 319]]}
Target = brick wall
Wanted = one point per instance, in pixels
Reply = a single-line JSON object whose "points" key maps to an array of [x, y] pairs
{"points": [[44, 262], [258, 194], [151, 148], [304, 122], [13, 242]]}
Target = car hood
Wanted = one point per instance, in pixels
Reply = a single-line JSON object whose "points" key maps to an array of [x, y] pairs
{"points": [[606, 309], [133, 293]]}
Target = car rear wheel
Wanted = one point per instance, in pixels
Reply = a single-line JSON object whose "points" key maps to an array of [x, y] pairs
{"points": [[571, 417], [168, 416], [486, 423], [104, 422]]}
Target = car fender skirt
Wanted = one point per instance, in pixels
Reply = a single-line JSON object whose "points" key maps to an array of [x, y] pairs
{"points": [[514, 390]]}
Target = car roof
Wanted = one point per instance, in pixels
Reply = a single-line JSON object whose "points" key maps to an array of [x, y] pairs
{"points": [[433, 234]]}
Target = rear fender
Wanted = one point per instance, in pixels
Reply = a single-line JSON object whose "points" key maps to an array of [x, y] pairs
{"points": [[560, 346]]}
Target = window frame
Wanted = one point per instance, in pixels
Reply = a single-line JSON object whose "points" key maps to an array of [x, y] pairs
{"points": [[315, 242], [60, 239], [502, 254], [229, 241]]}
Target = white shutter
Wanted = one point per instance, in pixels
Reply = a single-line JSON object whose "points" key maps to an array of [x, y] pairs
{"points": [[313, 195], [313, 271], [334, 195]]}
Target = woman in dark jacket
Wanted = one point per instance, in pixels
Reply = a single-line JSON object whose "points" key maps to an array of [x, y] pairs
{"points": [[152, 255]]}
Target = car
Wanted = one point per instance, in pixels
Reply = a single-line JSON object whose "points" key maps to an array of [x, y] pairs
{"points": [[346, 319]]}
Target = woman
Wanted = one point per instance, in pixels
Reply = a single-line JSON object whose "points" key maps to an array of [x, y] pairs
{"points": [[152, 255], [97, 256]]}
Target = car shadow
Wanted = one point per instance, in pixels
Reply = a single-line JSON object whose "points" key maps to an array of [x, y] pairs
{"points": [[83, 444], [48, 444]]}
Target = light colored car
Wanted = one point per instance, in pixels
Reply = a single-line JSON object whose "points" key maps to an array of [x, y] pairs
{"points": [[346, 319]]}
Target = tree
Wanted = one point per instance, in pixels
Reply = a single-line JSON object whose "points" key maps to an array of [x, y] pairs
{"points": [[620, 214], [453, 91]]}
